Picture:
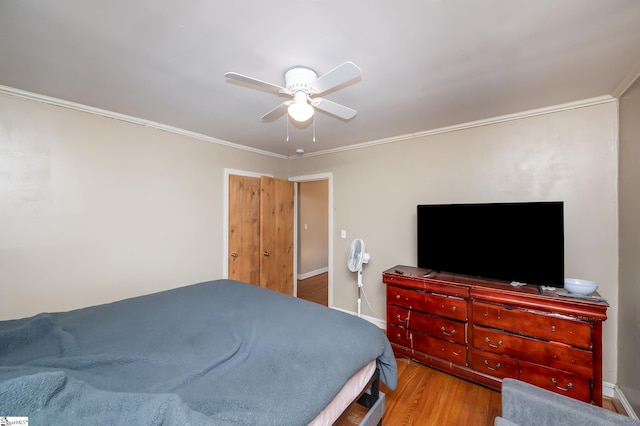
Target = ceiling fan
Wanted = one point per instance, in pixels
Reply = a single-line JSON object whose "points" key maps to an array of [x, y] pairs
{"points": [[303, 84]]}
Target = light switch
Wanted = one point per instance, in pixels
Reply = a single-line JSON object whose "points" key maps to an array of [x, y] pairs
{"points": [[343, 234]]}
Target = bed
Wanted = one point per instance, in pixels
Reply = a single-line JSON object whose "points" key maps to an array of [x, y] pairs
{"points": [[215, 353]]}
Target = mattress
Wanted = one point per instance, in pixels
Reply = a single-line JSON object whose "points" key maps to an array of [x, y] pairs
{"points": [[347, 395]]}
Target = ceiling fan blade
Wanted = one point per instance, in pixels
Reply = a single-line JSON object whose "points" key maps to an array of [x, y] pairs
{"points": [[333, 108], [337, 76], [276, 112], [254, 81]]}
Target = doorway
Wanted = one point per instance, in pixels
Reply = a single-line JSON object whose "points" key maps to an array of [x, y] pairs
{"points": [[314, 241]]}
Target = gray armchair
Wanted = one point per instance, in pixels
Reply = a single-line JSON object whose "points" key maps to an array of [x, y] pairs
{"points": [[524, 404]]}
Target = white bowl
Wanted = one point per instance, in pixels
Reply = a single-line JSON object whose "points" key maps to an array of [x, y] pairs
{"points": [[578, 286]]}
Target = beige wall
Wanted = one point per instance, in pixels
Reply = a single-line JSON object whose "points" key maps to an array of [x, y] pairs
{"points": [[313, 226], [569, 156], [629, 291], [94, 209]]}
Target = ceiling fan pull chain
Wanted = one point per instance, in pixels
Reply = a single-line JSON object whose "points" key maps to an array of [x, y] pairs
{"points": [[287, 129], [314, 129]]}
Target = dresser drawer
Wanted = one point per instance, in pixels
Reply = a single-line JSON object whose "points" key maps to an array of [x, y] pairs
{"points": [[562, 382], [494, 365], [553, 354], [438, 348], [442, 349], [446, 306], [537, 324], [399, 335], [443, 328]]}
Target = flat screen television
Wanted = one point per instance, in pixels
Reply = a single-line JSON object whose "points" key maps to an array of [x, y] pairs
{"points": [[521, 242]]}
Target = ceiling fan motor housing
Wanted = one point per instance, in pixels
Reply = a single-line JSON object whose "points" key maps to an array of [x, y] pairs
{"points": [[300, 79]]}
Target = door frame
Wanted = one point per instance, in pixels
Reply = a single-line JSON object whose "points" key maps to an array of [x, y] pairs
{"points": [[308, 178]]}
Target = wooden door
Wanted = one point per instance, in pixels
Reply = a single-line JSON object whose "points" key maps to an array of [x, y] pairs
{"points": [[261, 232], [244, 229], [276, 234]]}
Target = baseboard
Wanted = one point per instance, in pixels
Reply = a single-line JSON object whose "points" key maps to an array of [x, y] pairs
{"points": [[619, 395], [382, 324], [313, 273], [608, 389], [611, 390]]}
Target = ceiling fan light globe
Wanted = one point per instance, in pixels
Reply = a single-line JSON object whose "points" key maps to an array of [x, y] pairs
{"points": [[300, 111]]}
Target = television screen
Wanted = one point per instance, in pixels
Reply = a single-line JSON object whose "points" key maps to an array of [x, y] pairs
{"points": [[521, 242]]}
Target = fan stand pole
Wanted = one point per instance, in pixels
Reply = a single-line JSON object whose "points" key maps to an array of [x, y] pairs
{"points": [[360, 284]]}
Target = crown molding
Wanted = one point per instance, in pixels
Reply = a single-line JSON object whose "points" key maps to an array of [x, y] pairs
{"points": [[627, 81], [18, 93], [479, 123], [10, 91]]}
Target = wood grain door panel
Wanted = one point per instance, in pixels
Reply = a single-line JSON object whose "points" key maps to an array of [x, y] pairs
{"points": [[260, 236], [244, 229], [276, 234]]}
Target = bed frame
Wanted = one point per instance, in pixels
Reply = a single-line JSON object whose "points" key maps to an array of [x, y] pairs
{"points": [[373, 400]]}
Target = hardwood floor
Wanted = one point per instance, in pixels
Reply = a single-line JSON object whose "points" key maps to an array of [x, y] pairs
{"points": [[425, 396], [315, 289]]}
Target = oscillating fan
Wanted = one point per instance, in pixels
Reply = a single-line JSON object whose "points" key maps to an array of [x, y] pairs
{"points": [[357, 257]]}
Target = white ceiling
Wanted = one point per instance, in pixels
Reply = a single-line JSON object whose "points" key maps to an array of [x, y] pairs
{"points": [[426, 64]]}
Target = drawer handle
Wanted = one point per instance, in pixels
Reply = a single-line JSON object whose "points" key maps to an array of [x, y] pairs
{"points": [[486, 363], [553, 328], [486, 339], [453, 308], [397, 296], [444, 331], [402, 319], [555, 383]]}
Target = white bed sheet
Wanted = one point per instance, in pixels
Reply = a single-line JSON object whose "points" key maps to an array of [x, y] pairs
{"points": [[349, 392]]}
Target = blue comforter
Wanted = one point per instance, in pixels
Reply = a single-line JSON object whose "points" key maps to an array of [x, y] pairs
{"points": [[215, 353]]}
